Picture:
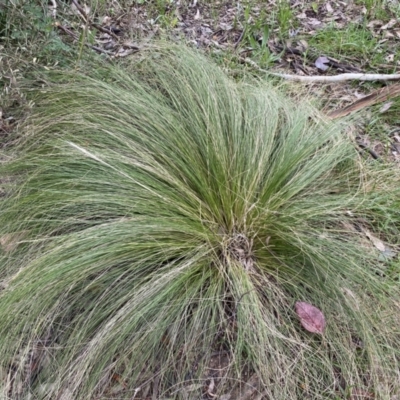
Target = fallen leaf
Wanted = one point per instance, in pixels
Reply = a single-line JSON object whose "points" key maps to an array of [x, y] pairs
{"points": [[390, 24], [386, 255], [389, 58], [321, 62], [197, 16], [388, 35], [374, 22], [311, 318], [225, 27], [359, 95], [303, 44], [211, 388], [314, 22], [375, 241], [329, 8], [386, 107]]}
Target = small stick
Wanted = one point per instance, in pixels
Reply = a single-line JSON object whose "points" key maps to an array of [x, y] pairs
{"points": [[240, 38], [80, 9], [373, 154], [54, 10]]}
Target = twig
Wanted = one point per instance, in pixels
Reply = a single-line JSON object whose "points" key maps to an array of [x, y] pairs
{"points": [[373, 154], [240, 38], [54, 8], [66, 30], [105, 30], [73, 35], [86, 19], [80, 9]]}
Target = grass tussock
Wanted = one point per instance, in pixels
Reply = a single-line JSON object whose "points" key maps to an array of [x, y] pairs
{"points": [[159, 216]]}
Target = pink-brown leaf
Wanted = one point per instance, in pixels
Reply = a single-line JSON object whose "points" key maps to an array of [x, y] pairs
{"points": [[311, 318]]}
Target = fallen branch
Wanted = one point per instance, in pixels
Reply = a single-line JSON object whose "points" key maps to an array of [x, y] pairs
{"points": [[378, 96], [338, 78], [327, 79]]}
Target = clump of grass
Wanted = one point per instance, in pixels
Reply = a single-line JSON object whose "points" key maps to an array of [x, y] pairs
{"points": [[162, 214]]}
